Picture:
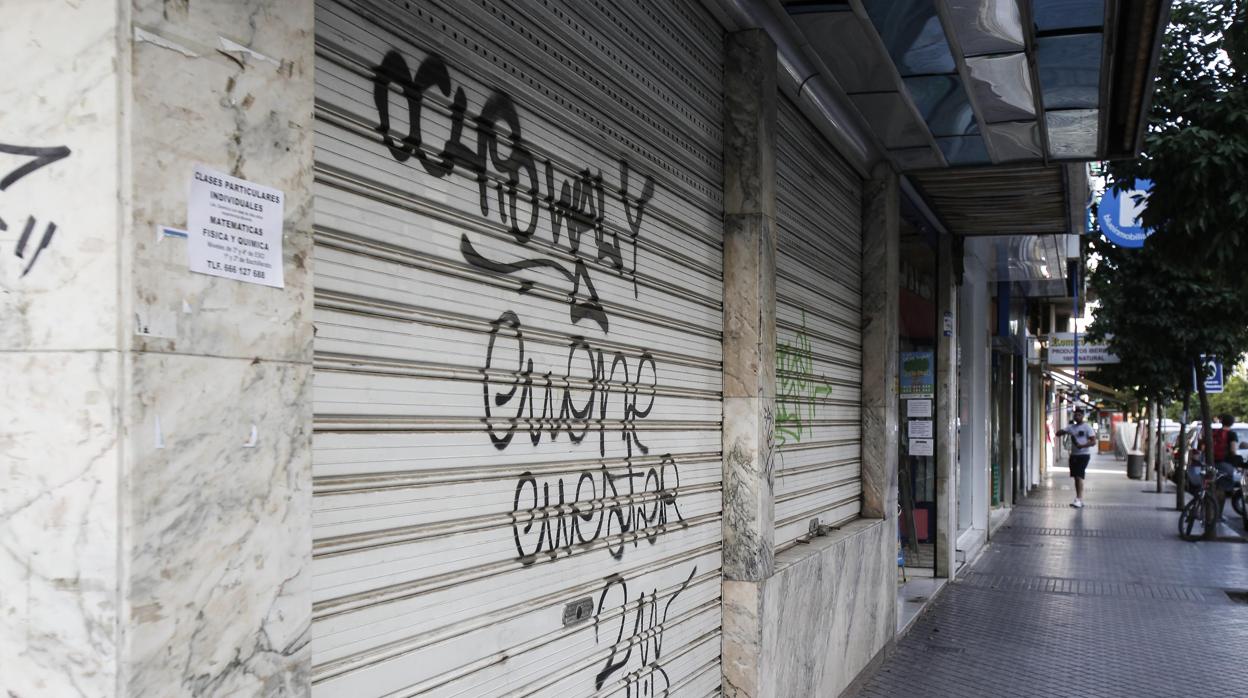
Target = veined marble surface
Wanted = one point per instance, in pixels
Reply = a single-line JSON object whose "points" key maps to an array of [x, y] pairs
{"points": [[217, 509], [830, 607], [881, 250], [810, 628], [218, 502], [155, 484], [60, 451], [749, 295], [249, 117], [59, 575], [60, 89]]}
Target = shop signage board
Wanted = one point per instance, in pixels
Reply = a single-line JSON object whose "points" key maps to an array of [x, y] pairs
{"points": [[1062, 351], [1215, 376], [918, 374], [1119, 214]]}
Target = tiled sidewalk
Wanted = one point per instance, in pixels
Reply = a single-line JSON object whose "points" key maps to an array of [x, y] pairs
{"points": [[1103, 601]]}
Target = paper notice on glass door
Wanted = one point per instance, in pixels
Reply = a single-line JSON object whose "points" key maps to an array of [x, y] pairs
{"points": [[234, 228], [920, 428], [922, 447]]}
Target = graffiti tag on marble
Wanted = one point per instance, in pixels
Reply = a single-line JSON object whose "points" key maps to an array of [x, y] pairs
{"points": [[39, 158], [647, 678], [797, 388]]}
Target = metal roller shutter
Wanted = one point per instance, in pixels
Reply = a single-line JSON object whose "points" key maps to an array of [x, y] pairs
{"points": [[517, 388], [818, 331]]}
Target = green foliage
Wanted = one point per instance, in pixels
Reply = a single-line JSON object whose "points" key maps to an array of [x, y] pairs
{"points": [[1196, 149], [1182, 294], [1233, 400]]}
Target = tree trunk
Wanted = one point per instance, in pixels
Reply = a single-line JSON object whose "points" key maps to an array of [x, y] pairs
{"points": [[1157, 410], [1181, 465]]}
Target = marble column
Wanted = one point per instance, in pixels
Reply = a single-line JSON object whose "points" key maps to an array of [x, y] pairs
{"points": [[155, 523], [946, 426], [749, 298], [881, 259]]}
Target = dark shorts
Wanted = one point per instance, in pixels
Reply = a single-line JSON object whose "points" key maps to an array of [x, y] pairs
{"points": [[1079, 465]]}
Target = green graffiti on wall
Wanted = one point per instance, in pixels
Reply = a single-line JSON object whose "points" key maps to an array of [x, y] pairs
{"points": [[797, 388]]}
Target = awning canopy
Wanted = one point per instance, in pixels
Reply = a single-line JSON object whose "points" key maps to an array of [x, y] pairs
{"points": [[955, 83]]}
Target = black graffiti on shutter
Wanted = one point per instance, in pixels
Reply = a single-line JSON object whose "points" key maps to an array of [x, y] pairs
{"points": [[573, 207], [593, 392], [552, 517], [649, 678]]}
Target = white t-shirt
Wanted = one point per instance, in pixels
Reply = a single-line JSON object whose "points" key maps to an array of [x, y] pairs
{"points": [[1082, 433]]}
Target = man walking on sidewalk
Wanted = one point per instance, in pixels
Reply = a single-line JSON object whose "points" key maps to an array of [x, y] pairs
{"points": [[1084, 438]]}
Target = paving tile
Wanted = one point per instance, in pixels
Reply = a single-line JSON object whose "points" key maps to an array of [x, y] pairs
{"points": [[1103, 601]]}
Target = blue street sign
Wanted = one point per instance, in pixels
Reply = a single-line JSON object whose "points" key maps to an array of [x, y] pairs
{"points": [[1119, 214], [1214, 376]]}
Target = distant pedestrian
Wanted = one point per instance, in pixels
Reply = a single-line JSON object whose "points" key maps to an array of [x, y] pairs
{"points": [[1084, 438]]}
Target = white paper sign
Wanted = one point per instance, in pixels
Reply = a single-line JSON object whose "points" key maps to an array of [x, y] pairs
{"points": [[921, 428], [234, 228], [922, 447], [918, 408]]}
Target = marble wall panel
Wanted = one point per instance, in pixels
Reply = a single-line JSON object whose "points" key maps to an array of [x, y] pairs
{"points": [[881, 250], [830, 608], [749, 300], [217, 512], [59, 464], [750, 99], [60, 90], [230, 84]]}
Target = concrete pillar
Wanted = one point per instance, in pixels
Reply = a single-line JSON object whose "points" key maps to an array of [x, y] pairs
{"points": [[749, 298], [155, 517], [881, 259], [946, 426]]}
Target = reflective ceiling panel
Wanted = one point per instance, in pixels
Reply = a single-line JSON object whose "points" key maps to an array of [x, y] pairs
{"points": [[987, 26], [1069, 68], [1002, 87], [1072, 133], [950, 83], [913, 36], [915, 158], [891, 120], [1015, 141], [1057, 15], [943, 104], [841, 40], [964, 150]]}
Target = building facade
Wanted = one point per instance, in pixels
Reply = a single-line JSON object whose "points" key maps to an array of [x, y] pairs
{"points": [[379, 348]]}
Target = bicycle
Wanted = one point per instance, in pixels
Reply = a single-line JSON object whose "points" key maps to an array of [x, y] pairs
{"points": [[1203, 507]]}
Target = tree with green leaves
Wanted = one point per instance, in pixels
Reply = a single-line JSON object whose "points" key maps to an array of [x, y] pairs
{"points": [[1196, 147], [1182, 295]]}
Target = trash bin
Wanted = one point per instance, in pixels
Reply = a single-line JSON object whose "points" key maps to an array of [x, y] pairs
{"points": [[1135, 465]]}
